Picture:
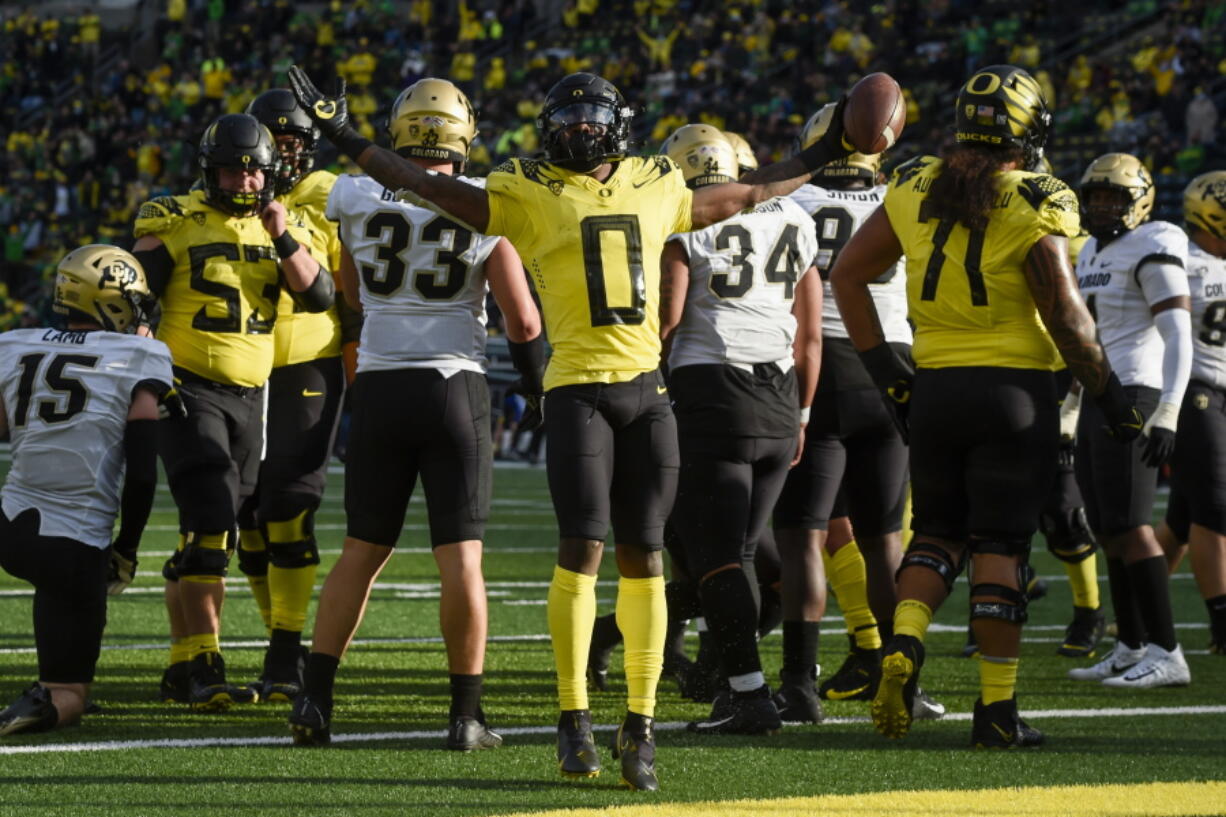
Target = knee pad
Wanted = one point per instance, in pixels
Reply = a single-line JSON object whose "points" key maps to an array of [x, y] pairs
{"points": [[252, 553], [170, 569], [204, 557], [1068, 535], [1012, 609], [289, 555], [931, 557]]}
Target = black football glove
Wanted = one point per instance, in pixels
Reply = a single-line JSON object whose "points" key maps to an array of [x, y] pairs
{"points": [[329, 113], [171, 406], [122, 569], [534, 406], [1124, 420], [894, 373]]}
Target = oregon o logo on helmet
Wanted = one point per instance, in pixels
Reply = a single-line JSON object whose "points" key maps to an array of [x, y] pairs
{"points": [[246, 159], [976, 81], [577, 92], [281, 120]]}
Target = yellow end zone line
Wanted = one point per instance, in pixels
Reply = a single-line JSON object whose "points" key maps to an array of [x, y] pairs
{"points": [[1190, 799]]}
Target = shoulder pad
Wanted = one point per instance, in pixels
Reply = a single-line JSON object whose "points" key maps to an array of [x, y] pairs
{"points": [[910, 169], [158, 215], [314, 188], [1040, 189], [507, 166]]}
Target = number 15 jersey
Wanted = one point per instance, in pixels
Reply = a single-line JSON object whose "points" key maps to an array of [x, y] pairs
{"points": [[966, 289], [593, 251]]}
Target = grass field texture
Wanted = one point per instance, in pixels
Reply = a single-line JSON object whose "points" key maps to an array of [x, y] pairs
{"points": [[142, 757]]}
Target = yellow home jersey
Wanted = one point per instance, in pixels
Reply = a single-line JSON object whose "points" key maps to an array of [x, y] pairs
{"points": [[966, 289], [593, 251], [301, 336], [220, 303]]}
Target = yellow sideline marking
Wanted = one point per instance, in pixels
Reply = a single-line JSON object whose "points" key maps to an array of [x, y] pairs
{"points": [[1130, 800]]}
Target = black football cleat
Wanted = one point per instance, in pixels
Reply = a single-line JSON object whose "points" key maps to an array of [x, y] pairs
{"points": [[741, 713], [31, 712], [174, 685], [468, 734], [998, 726], [1083, 633], [605, 638], [577, 755], [207, 687], [282, 678], [311, 722], [797, 699], [635, 745], [857, 679], [892, 706]]}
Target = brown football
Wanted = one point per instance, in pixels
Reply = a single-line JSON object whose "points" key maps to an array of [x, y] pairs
{"points": [[875, 113]]}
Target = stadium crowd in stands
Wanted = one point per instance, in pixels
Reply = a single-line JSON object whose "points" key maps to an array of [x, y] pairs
{"points": [[95, 121]]}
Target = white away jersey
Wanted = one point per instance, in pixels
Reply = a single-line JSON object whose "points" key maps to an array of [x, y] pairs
{"points": [[422, 283], [1207, 278], [743, 272], [1120, 283], [67, 397], [837, 215]]}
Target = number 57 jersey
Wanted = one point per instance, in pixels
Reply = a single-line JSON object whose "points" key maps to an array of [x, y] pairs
{"points": [[966, 289], [422, 281]]}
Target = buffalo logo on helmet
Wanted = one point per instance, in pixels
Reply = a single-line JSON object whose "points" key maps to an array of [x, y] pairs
{"points": [[121, 272], [430, 139]]}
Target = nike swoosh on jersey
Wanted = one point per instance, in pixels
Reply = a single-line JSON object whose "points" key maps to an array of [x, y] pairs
{"points": [[661, 389], [309, 393]]}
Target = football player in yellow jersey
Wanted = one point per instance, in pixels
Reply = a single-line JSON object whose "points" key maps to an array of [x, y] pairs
{"points": [[590, 223], [277, 547], [218, 259], [988, 279]]}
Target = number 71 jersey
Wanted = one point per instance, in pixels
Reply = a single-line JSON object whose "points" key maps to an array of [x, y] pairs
{"points": [[422, 283], [966, 289]]}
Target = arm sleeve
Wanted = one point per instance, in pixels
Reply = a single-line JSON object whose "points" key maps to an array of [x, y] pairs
{"points": [[319, 295], [139, 484], [1175, 326], [1162, 277], [158, 265]]}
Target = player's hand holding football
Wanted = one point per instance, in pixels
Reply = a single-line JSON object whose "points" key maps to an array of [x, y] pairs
{"points": [[1124, 420], [834, 139]]}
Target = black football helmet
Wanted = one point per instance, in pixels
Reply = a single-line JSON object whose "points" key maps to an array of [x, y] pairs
{"points": [[237, 140], [584, 99], [278, 111], [1004, 105]]}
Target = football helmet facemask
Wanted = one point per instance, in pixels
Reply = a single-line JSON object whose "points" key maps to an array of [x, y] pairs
{"points": [[584, 123], [704, 155], [854, 168], [238, 141], [1003, 105], [745, 158], [1204, 203], [278, 111], [432, 119], [1106, 217], [103, 284]]}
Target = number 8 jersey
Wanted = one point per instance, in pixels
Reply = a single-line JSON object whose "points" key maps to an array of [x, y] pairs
{"points": [[422, 285], [966, 289], [1207, 278]]}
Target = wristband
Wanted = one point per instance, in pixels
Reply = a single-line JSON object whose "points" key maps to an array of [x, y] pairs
{"points": [[804, 414], [285, 245], [351, 143]]}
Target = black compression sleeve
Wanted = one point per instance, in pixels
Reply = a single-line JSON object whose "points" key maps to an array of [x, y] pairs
{"points": [[319, 295], [158, 265], [529, 360], [139, 484]]}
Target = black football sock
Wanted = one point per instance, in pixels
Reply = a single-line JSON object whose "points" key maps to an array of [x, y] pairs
{"points": [[320, 677], [465, 695], [800, 645], [1217, 617], [1151, 588], [732, 620], [1131, 632]]}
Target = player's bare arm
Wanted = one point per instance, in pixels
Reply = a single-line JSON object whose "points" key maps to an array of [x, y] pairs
{"points": [[458, 200], [1064, 313], [872, 250], [807, 347], [674, 283], [349, 281], [509, 285]]}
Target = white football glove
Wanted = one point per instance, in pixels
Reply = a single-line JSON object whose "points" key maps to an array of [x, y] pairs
{"points": [[1070, 410], [121, 573]]}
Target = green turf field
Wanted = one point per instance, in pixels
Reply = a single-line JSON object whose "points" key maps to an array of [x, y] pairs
{"points": [[392, 701]]}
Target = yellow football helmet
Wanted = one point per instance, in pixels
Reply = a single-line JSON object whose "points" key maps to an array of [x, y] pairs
{"points": [[1125, 174], [432, 119], [102, 283], [704, 154], [745, 157], [1204, 203], [856, 167], [1003, 105]]}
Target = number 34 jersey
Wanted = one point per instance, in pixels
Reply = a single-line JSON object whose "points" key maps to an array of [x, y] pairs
{"points": [[422, 280], [837, 215], [966, 289], [1207, 278], [67, 396]]}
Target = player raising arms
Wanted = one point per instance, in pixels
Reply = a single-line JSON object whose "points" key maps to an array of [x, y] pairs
{"points": [[987, 270], [420, 402], [590, 224], [81, 407]]}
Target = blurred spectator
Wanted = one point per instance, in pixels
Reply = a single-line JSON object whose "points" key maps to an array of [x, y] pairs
{"points": [[1201, 119]]}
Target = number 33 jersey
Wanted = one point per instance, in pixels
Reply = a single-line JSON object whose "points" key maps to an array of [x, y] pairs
{"points": [[966, 289], [593, 252], [422, 283], [67, 397], [1207, 278]]}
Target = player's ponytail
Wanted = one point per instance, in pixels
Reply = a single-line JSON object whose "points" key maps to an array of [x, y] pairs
{"points": [[966, 188]]}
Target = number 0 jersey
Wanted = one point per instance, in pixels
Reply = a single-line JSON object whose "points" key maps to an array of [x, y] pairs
{"points": [[1120, 282], [966, 290], [422, 279], [837, 214], [300, 335], [593, 251], [67, 396], [219, 306], [743, 271], [1207, 278]]}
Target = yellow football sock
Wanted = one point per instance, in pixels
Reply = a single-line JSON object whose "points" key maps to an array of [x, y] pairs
{"points": [[907, 533], [572, 614], [180, 651], [1083, 580], [912, 617], [252, 541], [642, 616], [848, 580], [290, 591], [997, 678], [201, 643]]}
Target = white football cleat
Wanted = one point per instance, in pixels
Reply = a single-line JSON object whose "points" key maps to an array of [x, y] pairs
{"points": [[1159, 668], [1121, 659]]}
